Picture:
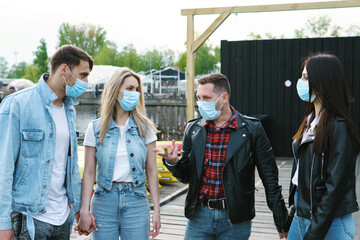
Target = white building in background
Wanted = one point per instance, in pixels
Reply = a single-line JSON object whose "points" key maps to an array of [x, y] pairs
{"points": [[167, 82], [98, 77]]}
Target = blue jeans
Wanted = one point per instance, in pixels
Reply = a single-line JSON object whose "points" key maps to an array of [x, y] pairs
{"points": [[211, 224], [123, 211], [341, 228], [43, 231]]}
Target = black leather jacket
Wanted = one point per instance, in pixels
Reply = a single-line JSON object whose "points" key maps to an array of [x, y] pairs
{"points": [[248, 147], [326, 183]]}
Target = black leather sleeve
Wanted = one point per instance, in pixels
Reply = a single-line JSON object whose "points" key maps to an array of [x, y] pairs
{"points": [[268, 172], [340, 168]]}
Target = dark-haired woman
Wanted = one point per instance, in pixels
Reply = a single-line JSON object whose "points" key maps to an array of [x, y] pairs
{"points": [[325, 148]]}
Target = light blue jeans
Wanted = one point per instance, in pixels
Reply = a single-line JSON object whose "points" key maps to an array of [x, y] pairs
{"points": [[123, 211], [211, 224], [342, 228]]}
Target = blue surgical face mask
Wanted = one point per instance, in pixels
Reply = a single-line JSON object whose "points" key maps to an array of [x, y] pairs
{"points": [[77, 89], [208, 109], [302, 87], [130, 100]]}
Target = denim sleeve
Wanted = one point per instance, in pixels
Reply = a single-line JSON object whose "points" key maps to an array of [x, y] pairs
{"points": [[77, 187], [76, 179], [9, 150]]}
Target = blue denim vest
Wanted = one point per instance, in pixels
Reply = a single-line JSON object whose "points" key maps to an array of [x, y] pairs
{"points": [[27, 149], [106, 153]]}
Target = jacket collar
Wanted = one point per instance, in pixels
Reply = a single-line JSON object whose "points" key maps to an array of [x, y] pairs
{"points": [[240, 119], [130, 123], [49, 96], [198, 136]]}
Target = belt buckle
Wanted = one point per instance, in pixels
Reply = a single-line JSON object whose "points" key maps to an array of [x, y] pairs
{"points": [[208, 203]]}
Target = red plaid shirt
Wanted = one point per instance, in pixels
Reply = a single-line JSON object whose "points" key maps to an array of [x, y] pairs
{"points": [[217, 140]]}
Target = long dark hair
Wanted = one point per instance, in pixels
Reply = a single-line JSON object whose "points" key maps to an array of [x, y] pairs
{"points": [[327, 80]]}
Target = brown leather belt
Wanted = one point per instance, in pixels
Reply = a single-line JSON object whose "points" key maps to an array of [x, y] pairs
{"points": [[121, 182]]}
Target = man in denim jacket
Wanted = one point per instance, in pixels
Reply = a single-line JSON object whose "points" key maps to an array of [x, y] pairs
{"points": [[39, 173]]}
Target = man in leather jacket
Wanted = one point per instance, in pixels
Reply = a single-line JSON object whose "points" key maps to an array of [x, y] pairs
{"points": [[219, 153]]}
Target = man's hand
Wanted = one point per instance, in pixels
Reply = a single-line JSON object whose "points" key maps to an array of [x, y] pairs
{"points": [[77, 217], [7, 234], [171, 157], [86, 226], [283, 235]]}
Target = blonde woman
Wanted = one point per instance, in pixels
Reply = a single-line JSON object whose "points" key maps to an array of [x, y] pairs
{"points": [[118, 148]]}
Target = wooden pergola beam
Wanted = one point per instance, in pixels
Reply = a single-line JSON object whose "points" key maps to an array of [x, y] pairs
{"points": [[273, 7], [203, 37], [224, 12]]}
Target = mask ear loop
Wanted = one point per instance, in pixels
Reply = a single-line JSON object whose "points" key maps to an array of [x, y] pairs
{"points": [[221, 104], [71, 73], [65, 81]]}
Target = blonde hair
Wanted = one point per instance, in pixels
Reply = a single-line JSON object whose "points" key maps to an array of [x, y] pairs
{"points": [[109, 99]]}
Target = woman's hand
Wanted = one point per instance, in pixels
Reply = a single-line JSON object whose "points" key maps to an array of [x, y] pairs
{"points": [[156, 224], [87, 224]]}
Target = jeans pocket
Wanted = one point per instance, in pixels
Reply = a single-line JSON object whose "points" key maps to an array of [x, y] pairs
{"points": [[99, 191], [139, 191]]}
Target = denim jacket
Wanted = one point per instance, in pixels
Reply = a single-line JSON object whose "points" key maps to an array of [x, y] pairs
{"points": [[106, 153], [27, 152]]}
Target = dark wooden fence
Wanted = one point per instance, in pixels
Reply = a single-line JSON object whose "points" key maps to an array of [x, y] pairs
{"points": [[169, 118], [258, 69]]}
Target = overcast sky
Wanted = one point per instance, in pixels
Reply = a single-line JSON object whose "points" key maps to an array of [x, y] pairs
{"points": [[146, 24]]}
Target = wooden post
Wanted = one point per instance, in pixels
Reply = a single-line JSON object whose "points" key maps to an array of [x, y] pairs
{"points": [[190, 69]]}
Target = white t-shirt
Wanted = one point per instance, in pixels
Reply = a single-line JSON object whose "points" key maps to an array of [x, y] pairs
{"points": [[122, 165], [295, 179], [57, 209]]}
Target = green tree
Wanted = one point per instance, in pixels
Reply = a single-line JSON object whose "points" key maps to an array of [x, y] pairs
{"points": [[353, 30], [267, 35], [107, 55], [86, 36], [128, 57], [40, 63], [206, 58], [168, 58], [320, 26], [32, 73], [17, 70], [41, 59], [151, 59], [3, 67]]}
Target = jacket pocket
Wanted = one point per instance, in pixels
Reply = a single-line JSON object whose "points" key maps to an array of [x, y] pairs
{"points": [[20, 175], [31, 143]]}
